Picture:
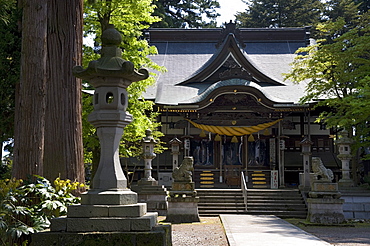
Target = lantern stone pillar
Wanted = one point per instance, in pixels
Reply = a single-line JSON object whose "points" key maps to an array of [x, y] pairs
{"points": [[306, 153], [109, 212], [148, 143], [344, 148], [175, 151]]}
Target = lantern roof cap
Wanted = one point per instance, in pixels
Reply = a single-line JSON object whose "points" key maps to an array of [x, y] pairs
{"points": [[148, 137], [111, 63], [175, 140], [343, 138], [306, 141]]}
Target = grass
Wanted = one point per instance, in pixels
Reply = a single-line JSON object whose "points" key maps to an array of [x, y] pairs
{"points": [[350, 223]]}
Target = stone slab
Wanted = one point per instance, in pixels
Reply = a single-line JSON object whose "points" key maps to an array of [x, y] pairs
{"points": [[119, 197], [98, 224], [324, 186], [143, 223], [132, 210], [91, 211], [59, 224], [362, 215], [183, 186], [111, 224], [160, 235]]}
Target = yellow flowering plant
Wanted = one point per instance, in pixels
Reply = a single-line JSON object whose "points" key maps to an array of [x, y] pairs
{"points": [[26, 207]]}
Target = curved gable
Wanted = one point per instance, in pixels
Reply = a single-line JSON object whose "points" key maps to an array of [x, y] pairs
{"points": [[229, 62]]}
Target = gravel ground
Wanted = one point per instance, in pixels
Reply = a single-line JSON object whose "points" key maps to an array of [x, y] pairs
{"points": [[210, 232], [343, 236]]}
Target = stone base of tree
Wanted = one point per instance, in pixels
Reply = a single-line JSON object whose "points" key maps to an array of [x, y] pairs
{"points": [[160, 235]]}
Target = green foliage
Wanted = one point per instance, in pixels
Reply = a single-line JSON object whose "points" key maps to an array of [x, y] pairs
{"points": [[284, 13], [336, 71], [7, 7], [130, 18], [28, 208], [186, 13], [344, 9], [10, 51]]}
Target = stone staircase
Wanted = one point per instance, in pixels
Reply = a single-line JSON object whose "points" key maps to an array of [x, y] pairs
{"points": [[213, 202], [282, 203]]}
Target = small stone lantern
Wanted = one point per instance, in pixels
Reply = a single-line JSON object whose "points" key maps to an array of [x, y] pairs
{"points": [[306, 153], [344, 147], [148, 143], [175, 149]]}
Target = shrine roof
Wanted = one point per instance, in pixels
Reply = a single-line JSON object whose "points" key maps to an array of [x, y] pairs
{"points": [[198, 60]]}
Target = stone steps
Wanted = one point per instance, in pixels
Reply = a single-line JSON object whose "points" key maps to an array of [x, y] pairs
{"points": [[282, 203], [220, 201]]}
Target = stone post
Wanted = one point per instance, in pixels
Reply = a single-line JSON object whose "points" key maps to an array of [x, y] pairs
{"points": [[175, 151], [109, 212], [306, 153], [344, 147]]}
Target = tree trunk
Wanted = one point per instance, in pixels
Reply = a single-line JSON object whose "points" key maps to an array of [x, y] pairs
{"points": [[63, 124], [30, 99]]}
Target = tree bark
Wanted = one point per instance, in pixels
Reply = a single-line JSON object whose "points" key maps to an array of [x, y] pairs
{"points": [[30, 99], [63, 123]]}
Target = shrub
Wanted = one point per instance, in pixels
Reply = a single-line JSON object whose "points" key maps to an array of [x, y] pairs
{"points": [[27, 207]]}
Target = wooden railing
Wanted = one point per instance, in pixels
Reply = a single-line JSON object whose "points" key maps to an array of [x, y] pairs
{"points": [[244, 189]]}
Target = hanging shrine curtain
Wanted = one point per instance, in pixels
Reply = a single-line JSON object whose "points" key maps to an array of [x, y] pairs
{"points": [[234, 130]]}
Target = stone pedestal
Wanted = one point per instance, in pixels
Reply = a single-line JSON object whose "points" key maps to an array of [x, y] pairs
{"points": [[183, 203], [324, 205], [183, 210], [154, 195]]}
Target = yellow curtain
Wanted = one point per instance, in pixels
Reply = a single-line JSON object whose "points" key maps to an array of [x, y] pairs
{"points": [[234, 130]]}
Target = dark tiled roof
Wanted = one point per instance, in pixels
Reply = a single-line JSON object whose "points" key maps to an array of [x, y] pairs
{"points": [[184, 58]]}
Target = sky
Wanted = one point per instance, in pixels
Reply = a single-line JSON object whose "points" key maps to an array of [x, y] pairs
{"points": [[228, 9]]}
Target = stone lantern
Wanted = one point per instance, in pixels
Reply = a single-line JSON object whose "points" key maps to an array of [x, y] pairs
{"points": [[175, 151], [109, 212], [148, 143], [306, 153], [344, 148], [154, 195]]}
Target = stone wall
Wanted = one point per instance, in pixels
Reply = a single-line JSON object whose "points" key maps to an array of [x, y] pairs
{"points": [[356, 207]]}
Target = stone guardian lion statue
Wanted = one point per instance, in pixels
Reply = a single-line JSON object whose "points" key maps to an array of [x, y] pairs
{"points": [[320, 171], [184, 171]]}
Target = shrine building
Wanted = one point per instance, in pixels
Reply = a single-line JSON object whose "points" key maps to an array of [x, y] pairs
{"points": [[225, 98]]}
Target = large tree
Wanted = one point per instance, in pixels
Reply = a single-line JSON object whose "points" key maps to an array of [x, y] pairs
{"points": [[47, 139], [283, 13], [63, 155], [336, 70], [186, 13], [30, 99]]}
